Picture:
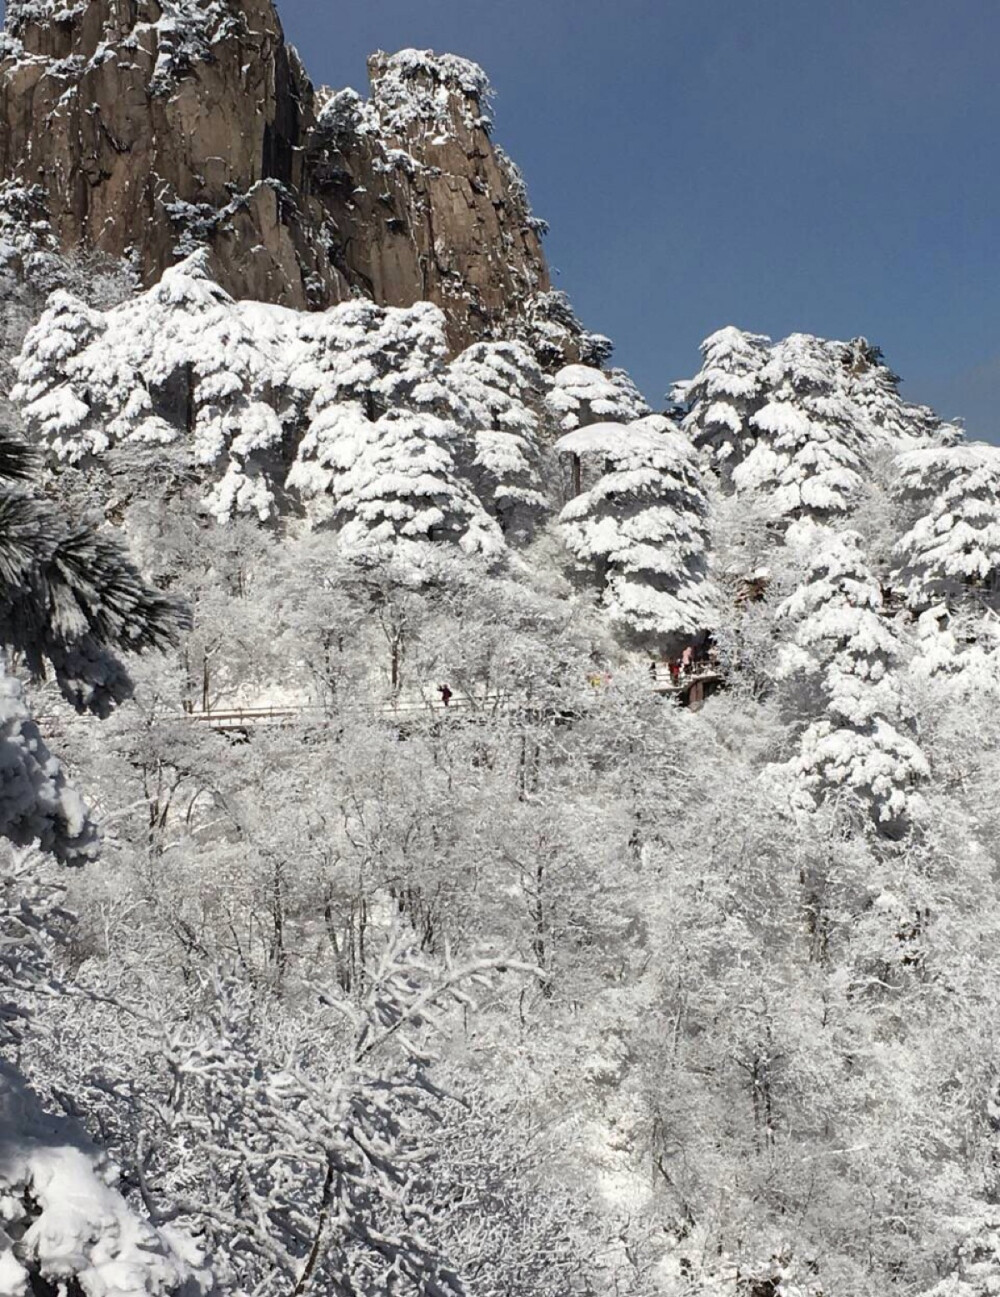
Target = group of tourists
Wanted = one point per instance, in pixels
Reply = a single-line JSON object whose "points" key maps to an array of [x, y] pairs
{"points": [[694, 660]]}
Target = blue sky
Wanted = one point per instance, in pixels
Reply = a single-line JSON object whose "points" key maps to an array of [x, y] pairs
{"points": [[823, 165]]}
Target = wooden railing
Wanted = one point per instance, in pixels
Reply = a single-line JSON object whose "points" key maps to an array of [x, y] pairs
{"points": [[243, 718], [235, 720]]}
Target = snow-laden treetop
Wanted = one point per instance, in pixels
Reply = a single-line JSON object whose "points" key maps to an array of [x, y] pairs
{"points": [[356, 418], [185, 365], [795, 422]]}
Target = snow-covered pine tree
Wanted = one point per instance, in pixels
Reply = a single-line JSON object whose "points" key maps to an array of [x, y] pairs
{"points": [[873, 389], [550, 328], [641, 529], [501, 385], [364, 361], [723, 396], [180, 361], [388, 425], [395, 486], [845, 653], [807, 461], [951, 552], [387, 358], [54, 353], [581, 395]]}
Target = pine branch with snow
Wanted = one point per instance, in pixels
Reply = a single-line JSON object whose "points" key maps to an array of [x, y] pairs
{"points": [[723, 396], [841, 639], [641, 528], [581, 395], [501, 386], [951, 552]]}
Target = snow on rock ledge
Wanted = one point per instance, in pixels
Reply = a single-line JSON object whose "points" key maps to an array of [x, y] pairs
{"points": [[159, 126], [419, 86]]}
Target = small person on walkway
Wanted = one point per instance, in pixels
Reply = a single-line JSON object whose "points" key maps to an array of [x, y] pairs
{"points": [[445, 693], [687, 660], [675, 671]]}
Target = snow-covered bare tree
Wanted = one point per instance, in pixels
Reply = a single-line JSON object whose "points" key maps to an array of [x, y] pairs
{"points": [[304, 1142]]}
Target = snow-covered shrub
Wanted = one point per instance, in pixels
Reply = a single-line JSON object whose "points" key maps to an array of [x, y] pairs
{"points": [[873, 389], [66, 1225], [418, 89], [550, 327]]}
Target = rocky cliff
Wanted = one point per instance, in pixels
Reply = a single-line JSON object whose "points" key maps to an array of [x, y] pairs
{"points": [[151, 127]]}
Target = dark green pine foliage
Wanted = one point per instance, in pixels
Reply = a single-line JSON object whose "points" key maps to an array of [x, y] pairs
{"points": [[70, 598]]}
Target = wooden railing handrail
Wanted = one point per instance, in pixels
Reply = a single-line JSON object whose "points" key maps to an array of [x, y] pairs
{"points": [[235, 718]]}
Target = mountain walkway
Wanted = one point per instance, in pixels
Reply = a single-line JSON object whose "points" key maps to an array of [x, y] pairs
{"points": [[689, 689]]}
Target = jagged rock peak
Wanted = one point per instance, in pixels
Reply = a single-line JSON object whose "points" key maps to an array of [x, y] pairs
{"points": [[407, 88], [150, 128]]}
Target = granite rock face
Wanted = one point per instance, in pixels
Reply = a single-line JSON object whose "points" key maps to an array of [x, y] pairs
{"points": [[151, 127]]}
